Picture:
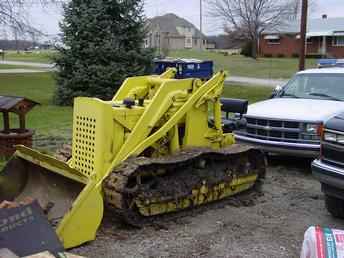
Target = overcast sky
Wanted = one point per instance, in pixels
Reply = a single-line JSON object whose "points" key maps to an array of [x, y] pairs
{"points": [[47, 19]]}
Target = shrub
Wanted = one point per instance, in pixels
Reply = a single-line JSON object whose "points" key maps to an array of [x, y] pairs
{"points": [[247, 49], [316, 56], [280, 55]]}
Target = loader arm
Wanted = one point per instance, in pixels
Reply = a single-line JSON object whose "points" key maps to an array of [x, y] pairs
{"points": [[139, 140], [130, 86]]}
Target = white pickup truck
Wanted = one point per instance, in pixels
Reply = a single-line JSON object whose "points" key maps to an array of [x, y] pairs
{"points": [[291, 122]]}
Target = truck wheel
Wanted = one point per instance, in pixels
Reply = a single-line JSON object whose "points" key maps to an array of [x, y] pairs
{"points": [[335, 206]]}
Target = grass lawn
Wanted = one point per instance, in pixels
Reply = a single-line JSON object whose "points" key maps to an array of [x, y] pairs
{"points": [[36, 56], [52, 123], [251, 93], [243, 66]]}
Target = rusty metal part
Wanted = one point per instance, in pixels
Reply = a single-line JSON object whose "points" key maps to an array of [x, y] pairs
{"points": [[142, 188], [9, 205]]}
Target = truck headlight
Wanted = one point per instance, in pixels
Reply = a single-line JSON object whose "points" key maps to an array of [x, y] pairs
{"points": [[313, 129], [330, 137]]}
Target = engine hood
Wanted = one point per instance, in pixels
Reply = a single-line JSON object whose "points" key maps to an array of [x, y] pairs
{"points": [[336, 123], [311, 110]]}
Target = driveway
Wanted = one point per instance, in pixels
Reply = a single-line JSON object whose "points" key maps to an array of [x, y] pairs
{"points": [[256, 81], [7, 71], [36, 67], [267, 222], [31, 64]]}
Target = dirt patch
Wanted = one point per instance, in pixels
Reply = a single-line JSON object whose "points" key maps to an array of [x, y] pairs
{"points": [[266, 223]]}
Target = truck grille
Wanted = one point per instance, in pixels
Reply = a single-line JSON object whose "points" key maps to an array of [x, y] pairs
{"points": [[275, 130], [333, 152]]}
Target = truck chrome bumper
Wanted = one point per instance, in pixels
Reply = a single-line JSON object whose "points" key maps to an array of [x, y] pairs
{"points": [[328, 174], [286, 148]]}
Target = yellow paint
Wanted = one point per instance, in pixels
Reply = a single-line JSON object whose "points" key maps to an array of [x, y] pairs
{"points": [[105, 133], [198, 196]]}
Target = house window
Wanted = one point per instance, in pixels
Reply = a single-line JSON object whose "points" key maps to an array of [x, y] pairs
{"points": [[188, 42], [274, 41], [309, 41], [338, 41]]}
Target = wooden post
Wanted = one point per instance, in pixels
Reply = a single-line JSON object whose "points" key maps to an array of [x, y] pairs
{"points": [[6, 122], [303, 31], [22, 123], [323, 47]]}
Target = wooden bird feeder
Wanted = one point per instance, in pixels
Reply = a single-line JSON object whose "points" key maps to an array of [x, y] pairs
{"points": [[9, 137]]}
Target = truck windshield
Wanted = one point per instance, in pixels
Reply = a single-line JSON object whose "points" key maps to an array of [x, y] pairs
{"points": [[315, 86]]}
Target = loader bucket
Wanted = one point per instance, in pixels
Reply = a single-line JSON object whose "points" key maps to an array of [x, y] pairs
{"points": [[21, 179], [55, 185]]}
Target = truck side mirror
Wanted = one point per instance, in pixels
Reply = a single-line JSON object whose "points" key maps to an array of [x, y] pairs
{"points": [[278, 89]]}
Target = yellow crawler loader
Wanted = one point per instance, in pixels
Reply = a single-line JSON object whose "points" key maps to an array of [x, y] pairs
{"points": [[157, 147]]}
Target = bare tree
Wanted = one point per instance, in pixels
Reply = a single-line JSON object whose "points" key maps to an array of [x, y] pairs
{"points": [[13, 13], [296, 5], [15, 35], [252, 17]]}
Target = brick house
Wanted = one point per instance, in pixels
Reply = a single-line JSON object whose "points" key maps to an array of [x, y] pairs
{"points": [[325, 38], [172, 32]]}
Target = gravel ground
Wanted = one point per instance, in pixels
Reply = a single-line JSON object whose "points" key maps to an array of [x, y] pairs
{"points": [[269, 222]]}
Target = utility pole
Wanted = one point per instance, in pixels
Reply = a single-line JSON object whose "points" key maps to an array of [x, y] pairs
{"points": [[200, 24], [303, 31]]}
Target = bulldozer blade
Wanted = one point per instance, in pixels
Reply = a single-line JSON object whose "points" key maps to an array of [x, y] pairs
{"points": [[32, 174], [21, 179], [67, 195]]}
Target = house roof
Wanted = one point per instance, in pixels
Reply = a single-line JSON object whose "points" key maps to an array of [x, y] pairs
{"points": [[315, 27], [169, 23]]}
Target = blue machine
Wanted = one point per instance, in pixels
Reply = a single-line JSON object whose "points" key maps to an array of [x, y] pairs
{"points": [[325, 63], [186, 68]]}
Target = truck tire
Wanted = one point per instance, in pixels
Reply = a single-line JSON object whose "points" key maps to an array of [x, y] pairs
{"points": [[335, 206]]}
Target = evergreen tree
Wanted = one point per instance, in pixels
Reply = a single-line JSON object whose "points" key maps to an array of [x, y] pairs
{"points": [[103, 45]]}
